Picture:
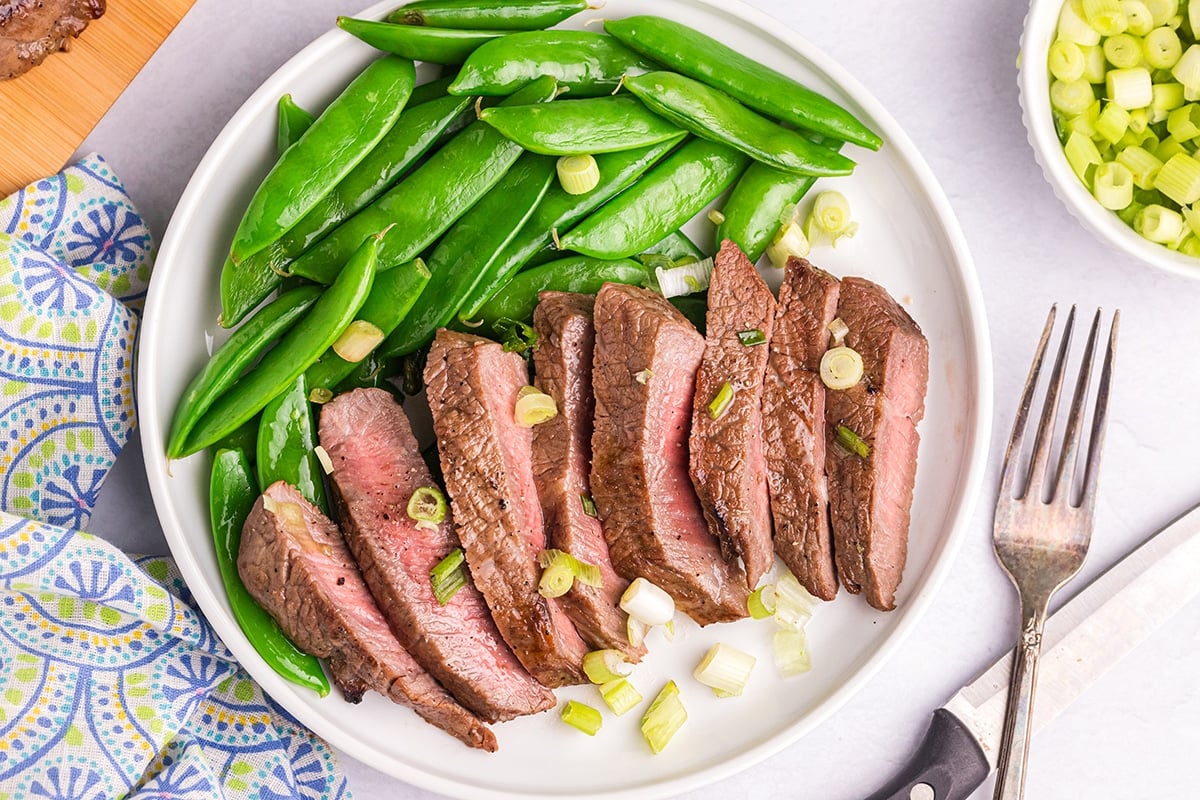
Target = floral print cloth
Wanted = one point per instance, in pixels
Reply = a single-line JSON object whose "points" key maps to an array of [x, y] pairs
{"points": [[114, 684]]}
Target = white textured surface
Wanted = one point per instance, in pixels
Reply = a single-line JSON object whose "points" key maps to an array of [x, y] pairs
{"points": [[946, 71]]}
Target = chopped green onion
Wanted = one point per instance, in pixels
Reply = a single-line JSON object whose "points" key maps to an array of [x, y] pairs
{"points": [[557, 580], [582, 571], [716, 217], [752, 337], [1083, 156], [664, 718], [1130, 88], [1161, 48], [635, 631], [831, 212], [685, 278], [1167, 98], [320, 395], [1187, 72], [620, 696], [323, 456], [1142, 164], [647, 603], [852, 442], [1139, 19], [582, 716], [1066, 60], [762, 602], [605, 666], [1113, 185], [534, 407], [1179, 179], [789, 241], [1158, 224], [1162, 10], [589, 505], [448, 576], [726, 669], [842, 367], [1123, 50], [516, 336], [357, 341], [838, 330], [1190, 247], [721, 401], [1073, 27], [1139, 119], [1168, 148], [791, 652], [1113, 122], [643, 376], [578, 174], [793, 604], [1094, 63], [427, 504], [1105, 16], [1184, 122]]}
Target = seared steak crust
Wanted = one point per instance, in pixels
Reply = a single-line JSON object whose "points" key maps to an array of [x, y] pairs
{"points": [[870, 498], [295, 564], [30, 30], [562, 455], [644, 375], [794, 426], [727, 465], [377, 466], [472, 386]]}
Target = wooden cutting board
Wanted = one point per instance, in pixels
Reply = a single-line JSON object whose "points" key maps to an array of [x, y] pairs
{"points": [[47, 113]]}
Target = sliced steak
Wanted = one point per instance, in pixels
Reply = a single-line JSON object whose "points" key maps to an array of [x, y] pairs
{"points": [[30, 30], [562, 457], [644, 377], [295, 564], [794, 426], [486, 458], [870, 498], [727, 465], [377, 466]]}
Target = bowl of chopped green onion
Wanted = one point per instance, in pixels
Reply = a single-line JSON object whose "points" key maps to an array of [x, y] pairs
{"points": [[1110, 93]]}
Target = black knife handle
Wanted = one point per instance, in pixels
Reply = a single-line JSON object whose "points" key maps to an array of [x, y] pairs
{"points": [[949, 761]]}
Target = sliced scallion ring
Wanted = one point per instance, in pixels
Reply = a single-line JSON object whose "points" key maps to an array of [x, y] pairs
{"points": [[604, 666], [841, 368], [725, 669], [620, 695], [582, 717], [578, 174], [427, 504], [647, 603], [534, 407]]}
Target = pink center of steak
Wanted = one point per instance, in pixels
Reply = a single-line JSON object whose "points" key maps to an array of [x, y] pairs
{"points": [[472, 386], [644, 378], [377, 467]]}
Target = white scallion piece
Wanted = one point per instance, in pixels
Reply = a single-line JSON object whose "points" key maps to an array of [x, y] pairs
{"points": [[578, 174], [357, 341], [605, 666], [1073, 27], [1132, 88], [1113, 185], [582, 717], [1066, 60], [323, 456], [534, 407], [1179, 179], [620, 696], [793, 604], [842, 367], [838, 330], [791, 652], [635, 631], [790, 241], [647, 603], [1158, 224], [725, 669], [664, 718], [684, 279]]}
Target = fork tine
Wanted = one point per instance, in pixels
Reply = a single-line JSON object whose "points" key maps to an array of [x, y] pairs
{"points": [[1100, 420], [1061, 489], [1045, 432], [1008, 474]]}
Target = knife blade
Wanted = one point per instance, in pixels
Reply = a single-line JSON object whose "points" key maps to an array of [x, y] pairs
{"points": [[1082, 640]]}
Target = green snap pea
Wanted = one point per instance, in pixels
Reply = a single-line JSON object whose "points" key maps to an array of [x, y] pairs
{"points": [[242, 348], [434, 45], [390, 302], [243, 286], [558, 211], [231, 496], [293, 122], [714, 115], [582, 274], [683, 49], [296, 351], [469, 249], [287, 438], [675, 245], [339, 138], [694, 307], [430, 91], [579, 127], [493, 15], [427, 202], [244, 438], [373, 372], [589, 64], [665, 198]]}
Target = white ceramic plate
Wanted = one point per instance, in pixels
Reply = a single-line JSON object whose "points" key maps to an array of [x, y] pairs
{"points": [[909, 241]]}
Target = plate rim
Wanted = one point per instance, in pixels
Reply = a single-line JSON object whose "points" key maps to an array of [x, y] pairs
{"points": [[958, 515]]}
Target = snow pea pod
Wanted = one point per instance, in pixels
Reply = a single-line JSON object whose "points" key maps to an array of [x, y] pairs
{"points": [[694, 307], [287, 438], [665, 198], [676, 245], [714, 115], [434, 45], [339, 138], [296, 351], [468, 250], [293, 122], [493, 15], [243, 286], [558, 211], [582, 274], [589, 64], [427, 202], [686, 50], [232, 493], [579, 127], [391, 300], [230, 360]]}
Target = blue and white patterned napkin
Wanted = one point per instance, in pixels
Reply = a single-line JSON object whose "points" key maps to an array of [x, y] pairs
{"points": [[115, 685]]}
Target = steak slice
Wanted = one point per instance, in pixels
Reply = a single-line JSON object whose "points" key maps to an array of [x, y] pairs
{"points": [[644, 377], [295, 564], [562, 456], [486, 458], [30, 30], [794, 426], [870, 498], [727, 465], [377, 466]]}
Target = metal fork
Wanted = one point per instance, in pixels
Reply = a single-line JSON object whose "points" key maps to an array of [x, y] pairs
{"points": [[1043, 524]]}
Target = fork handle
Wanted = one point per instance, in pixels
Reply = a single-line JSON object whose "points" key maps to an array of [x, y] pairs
{"points": [[1014, 741]]}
